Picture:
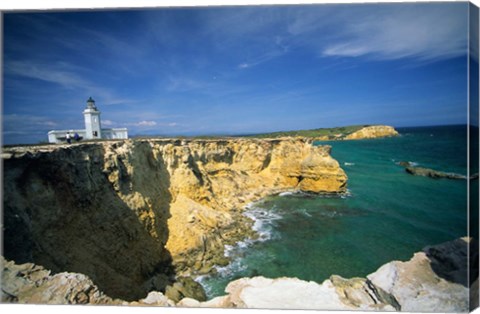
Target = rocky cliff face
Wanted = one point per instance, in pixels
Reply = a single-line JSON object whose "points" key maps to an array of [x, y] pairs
{"points": [[132, 215], [434, 280], [374, 131]]}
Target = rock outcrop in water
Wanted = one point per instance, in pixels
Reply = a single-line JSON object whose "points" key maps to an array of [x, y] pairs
{"points": [[135, 215], [431, 173], [435, 174], [434, 280]]}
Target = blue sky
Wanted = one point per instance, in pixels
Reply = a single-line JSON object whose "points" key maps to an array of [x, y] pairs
{"points": [[235, 70]]}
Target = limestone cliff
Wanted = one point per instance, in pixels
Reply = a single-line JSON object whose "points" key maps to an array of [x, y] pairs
{"points": [[133, 215], [434, 280], [374, 131]]}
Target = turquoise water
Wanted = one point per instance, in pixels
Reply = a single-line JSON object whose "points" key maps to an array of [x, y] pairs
{"points": [[386, 215]]}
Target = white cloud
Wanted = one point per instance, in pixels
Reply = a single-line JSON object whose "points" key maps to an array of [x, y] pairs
{"points": [[183, 84], [45, 73], [146, 123], [65, 75], [107, 122], [20, 121], [278, 50], [423, 32]]}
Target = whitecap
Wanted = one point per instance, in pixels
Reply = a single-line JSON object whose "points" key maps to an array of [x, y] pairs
{"points": [[263, 222], [410, 163], [305, 212], [346, 194], [349, 163]]}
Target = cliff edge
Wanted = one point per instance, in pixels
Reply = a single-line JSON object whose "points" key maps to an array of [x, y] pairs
{"points": [[136, 215], [422, 284]]}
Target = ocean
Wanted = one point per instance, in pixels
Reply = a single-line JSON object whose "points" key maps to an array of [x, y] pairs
{"points": [[387, 214]]}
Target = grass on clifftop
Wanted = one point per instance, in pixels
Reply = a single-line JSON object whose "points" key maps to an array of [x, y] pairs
{"points": [[331, 133]]}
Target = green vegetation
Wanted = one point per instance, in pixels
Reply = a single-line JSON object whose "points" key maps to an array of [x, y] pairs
{"points": [[330, 133]]}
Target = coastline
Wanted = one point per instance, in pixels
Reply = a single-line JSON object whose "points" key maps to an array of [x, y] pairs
{"points": [[413, 285], [258, 222], [221, 218], [172, 203]]}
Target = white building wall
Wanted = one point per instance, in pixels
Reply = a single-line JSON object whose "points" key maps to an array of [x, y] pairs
{"points": [[119, 133], [92, 124], [60, 135], [93, 128]]}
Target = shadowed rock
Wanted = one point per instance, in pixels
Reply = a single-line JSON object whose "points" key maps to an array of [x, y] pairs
{"points": [[133, 215], [426, 172], [450, 260], [422, 284]]}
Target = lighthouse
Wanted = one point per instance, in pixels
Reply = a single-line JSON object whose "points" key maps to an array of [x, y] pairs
{"points": [[93, 127]]}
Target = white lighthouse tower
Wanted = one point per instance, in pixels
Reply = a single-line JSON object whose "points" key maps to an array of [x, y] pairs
{"points": [[93, 128]]}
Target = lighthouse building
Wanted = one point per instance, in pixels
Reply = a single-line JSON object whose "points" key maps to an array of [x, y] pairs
{"points": [[93, 128]]}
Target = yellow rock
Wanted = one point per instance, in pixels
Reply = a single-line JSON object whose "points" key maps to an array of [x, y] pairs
{"points": [[374, 131], [156, 198], [199, 182]]}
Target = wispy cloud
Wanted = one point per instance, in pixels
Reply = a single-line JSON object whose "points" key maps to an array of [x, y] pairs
{"points": [[28, 128], [145, 123], [45, 73], [278, 50], [66, 76], [107, 122], [379, 32], [183, 83], [407, 31], [20, 121], [18, 127], [148, 123]]}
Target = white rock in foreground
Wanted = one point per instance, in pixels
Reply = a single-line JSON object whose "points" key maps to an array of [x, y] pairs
{"points": [[431, 281], [420, 284], [284, 293], [434, 280]]}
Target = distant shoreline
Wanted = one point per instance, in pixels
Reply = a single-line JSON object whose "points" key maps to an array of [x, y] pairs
{"points": [[275, 134]]}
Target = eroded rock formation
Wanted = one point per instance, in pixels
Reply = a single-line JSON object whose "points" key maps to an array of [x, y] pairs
{"points": [[117, 222], [133, 215], [365, 132], [374, 131], [434, 280]]}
